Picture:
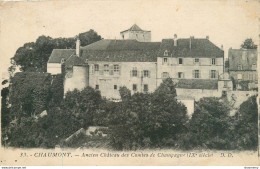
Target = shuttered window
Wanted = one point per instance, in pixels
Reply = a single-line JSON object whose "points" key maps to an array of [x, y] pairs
{"points": [[145, 87], [196, 74], [106, 68], [134, 73], [134, 87], [116, 68], [96, 67], [180, 75], [213, 61], [146, 73], [165, 75], [213, 74]]}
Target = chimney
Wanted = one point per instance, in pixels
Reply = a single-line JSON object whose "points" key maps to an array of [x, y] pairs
{"points": [[221, 47], [207, 37], [175, 39], [78, 47], [191, 37]]}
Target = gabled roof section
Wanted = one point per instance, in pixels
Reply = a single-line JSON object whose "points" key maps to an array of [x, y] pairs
{"points": [[121, 51], [58, 54], [74, 60], [242, 59], [120, 55], [134, 28], [111, 45], [199, 48]]}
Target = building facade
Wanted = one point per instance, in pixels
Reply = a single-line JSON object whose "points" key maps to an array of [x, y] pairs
{"points": [[243, 68], [195, 65]]}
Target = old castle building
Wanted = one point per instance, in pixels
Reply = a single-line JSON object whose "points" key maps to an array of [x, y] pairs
{"points": [[196, 65], [243, 68]]}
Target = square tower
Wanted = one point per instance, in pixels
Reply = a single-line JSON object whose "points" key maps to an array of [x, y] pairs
{"points": [[135, 32]]}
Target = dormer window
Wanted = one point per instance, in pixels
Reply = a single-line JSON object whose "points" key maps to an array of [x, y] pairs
{"points": [[165, 53], [196, 60], [62, 61]]}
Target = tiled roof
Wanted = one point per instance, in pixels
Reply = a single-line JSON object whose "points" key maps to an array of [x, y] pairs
{"points": [[197, 84], [121, 55], [121, 51], [199, 48], [112, 45], [134, 28], [134, 51], [58, 54], [246, 59], [75, 61]]}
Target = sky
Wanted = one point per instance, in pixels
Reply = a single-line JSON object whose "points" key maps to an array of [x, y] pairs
{"points": [[226, 22]]}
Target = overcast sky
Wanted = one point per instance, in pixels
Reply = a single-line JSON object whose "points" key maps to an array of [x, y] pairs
{"points": [[227, 22]]}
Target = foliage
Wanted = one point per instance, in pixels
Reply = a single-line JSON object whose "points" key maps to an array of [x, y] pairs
{"points": [[29, 93], [45, 132], [209, 126], [248, 44], [33, 56], [246, 125], [148, 120], [84, 104], [124, 93], [56, 90], [5, 117]]}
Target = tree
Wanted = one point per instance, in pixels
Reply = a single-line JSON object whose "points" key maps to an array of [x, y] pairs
{"points": [[210, 125], [29, 93], [246, 124], [83, 104], [147, 120], [248, 44], [125, 93], [33, 56]]}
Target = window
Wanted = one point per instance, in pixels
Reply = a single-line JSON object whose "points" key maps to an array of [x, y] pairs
{"points": [[115, 87], [97, 87], [134, 87], [196, 74], [165, 60], [106, 68], [180, 61], [146, 73], [239, 67], [180, 75], [213, 61], [116, 68], [239, 76], [96, 68], [165, 75], [197, 60], [252, 77], [253, 66], [165, 53], [146, 88], [213, 74], [134, 72], [225, 84]]}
